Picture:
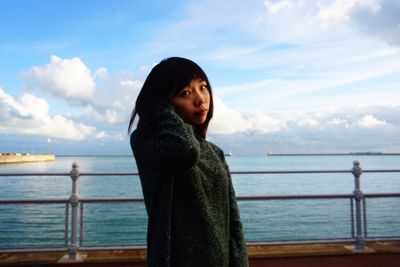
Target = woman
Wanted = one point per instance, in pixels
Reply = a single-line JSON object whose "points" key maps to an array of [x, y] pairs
{"points": [[193, 215]]}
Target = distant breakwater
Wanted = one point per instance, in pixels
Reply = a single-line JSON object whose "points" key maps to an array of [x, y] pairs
{"points": [[335, 154], [21, 158]]}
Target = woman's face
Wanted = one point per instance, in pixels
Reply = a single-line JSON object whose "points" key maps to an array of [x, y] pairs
{"points": [[193, 102]]}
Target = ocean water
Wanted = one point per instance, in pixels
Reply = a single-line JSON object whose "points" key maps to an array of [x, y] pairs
{"points": [[112, 224]]}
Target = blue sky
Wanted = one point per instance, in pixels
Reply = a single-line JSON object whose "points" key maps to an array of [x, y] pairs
{"points": [[288, 76]]}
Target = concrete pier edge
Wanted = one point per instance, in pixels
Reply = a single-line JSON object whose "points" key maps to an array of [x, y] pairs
{"points": [[270, 255]]}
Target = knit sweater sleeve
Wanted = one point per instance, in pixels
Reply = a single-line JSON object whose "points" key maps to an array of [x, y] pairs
{"points": [[171, 146], [237, 245]]}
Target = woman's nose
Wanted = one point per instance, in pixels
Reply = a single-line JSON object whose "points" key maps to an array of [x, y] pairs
{"points": [[199, 99]]}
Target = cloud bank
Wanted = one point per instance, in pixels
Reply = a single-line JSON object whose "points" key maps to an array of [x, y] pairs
{"points": [[378, 18], [373, 128], [93, 102], [30, 115], [103, 103]]}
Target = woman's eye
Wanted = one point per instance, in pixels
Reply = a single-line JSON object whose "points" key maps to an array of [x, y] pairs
{"points": [[204, 87], [185, 93]]}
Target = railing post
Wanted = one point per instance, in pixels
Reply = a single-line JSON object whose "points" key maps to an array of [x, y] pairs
{"points": [[358, 196], [73, 248]]}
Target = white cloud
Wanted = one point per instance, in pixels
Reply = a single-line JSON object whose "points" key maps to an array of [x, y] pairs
{"points": [[8, 104], [101, 135], [335, 13], [336, 121], [101, 72], [107, 115], [30, 115], [226, 120], [229, 121], [104, 98], [378, 18], [263, 123], [60, 127], [276, 7], [339, 130], [69, 78], [307, 122], [202, 22], [131, 84], [314, 88], [229, 51], [370, 121]]}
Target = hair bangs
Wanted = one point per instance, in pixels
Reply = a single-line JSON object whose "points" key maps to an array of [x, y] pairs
{"points": [[183, 73]]}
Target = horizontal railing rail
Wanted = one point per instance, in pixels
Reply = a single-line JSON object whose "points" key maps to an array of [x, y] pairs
{"points": [[10, 174], [357, 203], [10, 201]]}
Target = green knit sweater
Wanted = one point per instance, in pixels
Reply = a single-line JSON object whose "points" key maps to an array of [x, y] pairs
{"points": [[193, 215]]}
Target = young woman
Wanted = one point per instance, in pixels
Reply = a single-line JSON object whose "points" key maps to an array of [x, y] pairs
{"points": [[193, 217]]}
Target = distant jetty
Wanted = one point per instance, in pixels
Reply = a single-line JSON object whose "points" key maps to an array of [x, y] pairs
{"points": [[335, 154], [22, 157]]}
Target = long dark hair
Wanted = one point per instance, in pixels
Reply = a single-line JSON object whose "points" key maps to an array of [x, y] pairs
{"points": [[165, 79]]}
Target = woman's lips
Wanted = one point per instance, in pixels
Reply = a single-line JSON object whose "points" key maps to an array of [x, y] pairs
{"points": [[203, 112]]}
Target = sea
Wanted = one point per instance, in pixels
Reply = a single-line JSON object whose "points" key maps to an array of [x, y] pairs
{"points": [[124, 224]]}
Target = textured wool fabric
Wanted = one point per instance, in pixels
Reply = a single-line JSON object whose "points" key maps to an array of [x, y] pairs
{"points": [[193, 215]]}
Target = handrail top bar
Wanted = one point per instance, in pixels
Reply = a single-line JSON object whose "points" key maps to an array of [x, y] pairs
{"points": [[35, 174], [316, 196], [281, 197], [384, 170], [310, 171], [379, 195], [232, 172], [34, 200], [120, 199], [244, 197]]}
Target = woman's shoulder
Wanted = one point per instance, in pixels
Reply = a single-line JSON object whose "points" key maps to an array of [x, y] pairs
{"points": [[134, 136], [137, 139], [216, 148], [133, 139]]}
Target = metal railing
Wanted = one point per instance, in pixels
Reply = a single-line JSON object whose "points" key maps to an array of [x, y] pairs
{"points": [[75, 203]]}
